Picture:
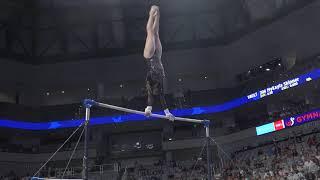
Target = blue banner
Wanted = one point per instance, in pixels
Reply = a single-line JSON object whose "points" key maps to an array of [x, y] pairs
{"points": [[275, 89]]}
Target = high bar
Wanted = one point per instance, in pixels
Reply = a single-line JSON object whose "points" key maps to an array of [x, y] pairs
{"points": [[89, 103]]}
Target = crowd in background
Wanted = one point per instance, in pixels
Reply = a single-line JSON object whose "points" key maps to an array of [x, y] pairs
{"points": [[294, 158], [297, 157], [12, 176], [288, 109], [172, 170]]}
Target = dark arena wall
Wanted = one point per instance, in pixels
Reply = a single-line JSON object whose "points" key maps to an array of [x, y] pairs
{"points": [[241, 90]]}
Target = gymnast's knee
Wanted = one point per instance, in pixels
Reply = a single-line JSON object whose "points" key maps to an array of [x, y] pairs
{"points": [[152, 33]]}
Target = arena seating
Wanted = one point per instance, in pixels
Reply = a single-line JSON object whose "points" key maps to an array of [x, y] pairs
{"points": [[293, 158]]}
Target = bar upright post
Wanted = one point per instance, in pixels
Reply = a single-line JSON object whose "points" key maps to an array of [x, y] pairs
{"points": [[85, 155], [209, 167]]}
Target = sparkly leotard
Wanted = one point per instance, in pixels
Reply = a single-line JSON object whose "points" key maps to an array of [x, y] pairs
{"points": [[155, 78], [155, 65]]}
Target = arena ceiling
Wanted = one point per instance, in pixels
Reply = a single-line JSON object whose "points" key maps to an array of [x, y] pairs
{"points": [[50, 31]]}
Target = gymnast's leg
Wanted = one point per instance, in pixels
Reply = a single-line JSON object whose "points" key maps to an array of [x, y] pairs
{"points": [[150, 98], [149, 50], [163, 100], [155, 77], [152, 30], [160, 79], [155, 88]]}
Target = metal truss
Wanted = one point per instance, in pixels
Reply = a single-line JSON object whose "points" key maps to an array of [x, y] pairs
{"points": [[36, 34]]}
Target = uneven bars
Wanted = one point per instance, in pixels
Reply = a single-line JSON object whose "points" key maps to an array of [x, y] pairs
{"points": [[89, 103]]}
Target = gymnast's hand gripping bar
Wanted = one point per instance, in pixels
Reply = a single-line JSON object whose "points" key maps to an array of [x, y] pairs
{"points": [[88, 103]]}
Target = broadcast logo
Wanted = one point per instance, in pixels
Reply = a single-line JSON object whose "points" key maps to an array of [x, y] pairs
{"points": [[290, 122]]}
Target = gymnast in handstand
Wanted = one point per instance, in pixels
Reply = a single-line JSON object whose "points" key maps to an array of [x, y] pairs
{"points": [[152, 53]]}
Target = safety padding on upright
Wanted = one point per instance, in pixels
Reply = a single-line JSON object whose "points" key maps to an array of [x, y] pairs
{"points": [[88, 103], [206, 123]]}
